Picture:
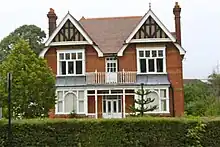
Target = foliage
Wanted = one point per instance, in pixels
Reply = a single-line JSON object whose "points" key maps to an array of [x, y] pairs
{"points": [[194, 135], [143, 103], [135, 132], [33, 83], [30, 33], [200, 100]]}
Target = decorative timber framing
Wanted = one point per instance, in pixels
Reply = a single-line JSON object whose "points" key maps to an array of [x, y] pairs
{"points": [[150, 29], [69, 32]]}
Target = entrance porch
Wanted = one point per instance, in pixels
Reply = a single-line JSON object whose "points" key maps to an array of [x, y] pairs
{"points": [[109, 103]]}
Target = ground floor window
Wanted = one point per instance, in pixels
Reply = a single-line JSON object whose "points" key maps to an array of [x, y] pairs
{"points": [[70, 101], [161, 99]]}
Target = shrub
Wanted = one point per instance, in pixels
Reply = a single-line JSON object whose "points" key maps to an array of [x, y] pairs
{"points": [[130, 132]]}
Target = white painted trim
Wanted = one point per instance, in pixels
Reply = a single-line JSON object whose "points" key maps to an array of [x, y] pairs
{"points": [[43, 52], [124, 103], [120, 52], [96, 104], [68, 43], [147, 40], [156, 19], [85, 102], [180, 48]]}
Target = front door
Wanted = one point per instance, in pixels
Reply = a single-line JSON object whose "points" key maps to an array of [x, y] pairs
{"points": [[112, 107], [111, 70]]}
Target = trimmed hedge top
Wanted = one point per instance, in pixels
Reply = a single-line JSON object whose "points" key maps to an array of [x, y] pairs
{"points": [[130, 132]]}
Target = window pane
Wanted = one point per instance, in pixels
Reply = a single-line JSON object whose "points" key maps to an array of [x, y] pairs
{"points": [[114, 106], [163, 105], [81, 95], [147, 53], [60, 95], [61, 56], [109, 106], [119, 105], [73, 55], [160, 53], [154, 53], [70, 103], [81, 106], [159, 65], [163, 93], [151, 65], [143, 65], [104, 106], [67, 56], [141, 53], [63, 67], [78, 67], [153, 95], [70, 68], [79, 55], [60, 106]]}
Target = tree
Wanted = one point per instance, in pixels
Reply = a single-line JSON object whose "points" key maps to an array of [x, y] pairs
{"points": [[30, 33], [143, 102], [200, 99], [33, 83]]}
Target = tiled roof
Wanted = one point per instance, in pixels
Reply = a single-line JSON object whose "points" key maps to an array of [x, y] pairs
{"points": [[109, 33]]}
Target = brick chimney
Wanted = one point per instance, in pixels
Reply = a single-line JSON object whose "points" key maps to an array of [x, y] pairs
{"points": [[176, 12], [52, 17]]}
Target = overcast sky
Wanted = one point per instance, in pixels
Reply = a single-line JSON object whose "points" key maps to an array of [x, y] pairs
{"points": [[200, 22]]}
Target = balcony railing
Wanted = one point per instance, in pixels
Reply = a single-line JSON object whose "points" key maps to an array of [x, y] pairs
{"points": [[123, 77]]}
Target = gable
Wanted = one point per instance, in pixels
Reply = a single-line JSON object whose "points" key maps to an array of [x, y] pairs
{"points": [[150, 29], [68, 33]]}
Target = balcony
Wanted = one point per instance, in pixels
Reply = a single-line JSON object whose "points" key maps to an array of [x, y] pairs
{"points": [[123, 77]]}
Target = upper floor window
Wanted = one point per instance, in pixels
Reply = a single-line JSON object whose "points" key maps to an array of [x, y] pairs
{"points": [[71, 62], [151, 60]]}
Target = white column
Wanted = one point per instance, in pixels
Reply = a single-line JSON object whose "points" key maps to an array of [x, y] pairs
{"points": [[124, 115], [85, 102], [96, 105]]}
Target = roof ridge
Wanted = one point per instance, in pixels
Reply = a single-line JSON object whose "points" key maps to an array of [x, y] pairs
{"points": [[103, 18]]}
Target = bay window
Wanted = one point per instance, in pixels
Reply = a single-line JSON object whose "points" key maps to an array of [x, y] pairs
{"points": [[71, 62], [161, 100], [151, 60], [69, 101]]}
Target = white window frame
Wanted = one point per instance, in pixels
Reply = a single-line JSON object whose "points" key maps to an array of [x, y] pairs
{"points": [[160, 99], [147, 58], [111, 60], [75, 92], [74, 60]]}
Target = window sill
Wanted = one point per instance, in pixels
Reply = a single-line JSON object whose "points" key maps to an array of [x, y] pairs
{"points": [[68, 113], [80, 75], [152, 73]]}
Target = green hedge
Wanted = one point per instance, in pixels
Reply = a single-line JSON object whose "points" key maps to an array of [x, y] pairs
{"points": [[132, 132]]}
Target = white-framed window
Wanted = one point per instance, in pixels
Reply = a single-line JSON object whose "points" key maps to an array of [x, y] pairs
{"points": [[151, 60], [71, 62], [69, 101], [161, 99], [111, 64]]}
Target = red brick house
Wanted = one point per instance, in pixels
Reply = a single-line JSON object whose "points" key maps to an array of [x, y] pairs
{"points": [[100, 62]]}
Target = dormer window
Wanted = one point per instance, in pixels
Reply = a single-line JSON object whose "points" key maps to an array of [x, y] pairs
{"points": [[151, 60], [71, 62]]}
